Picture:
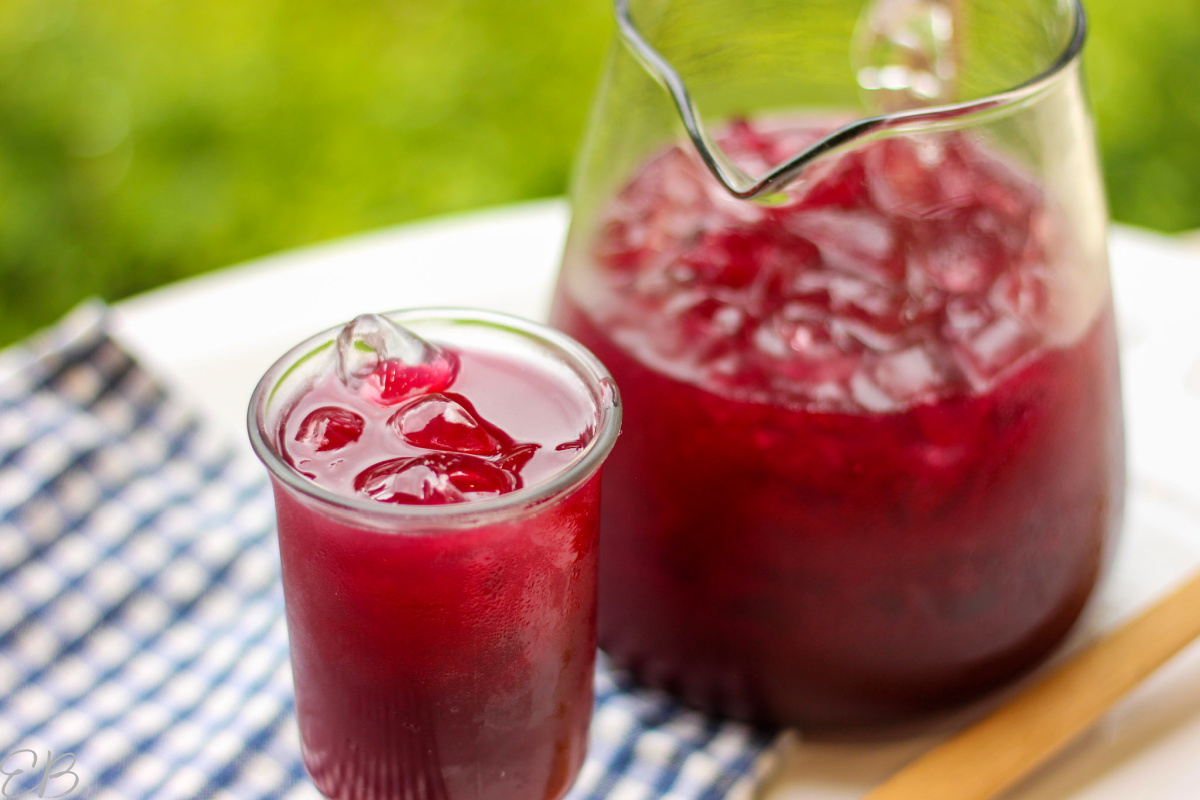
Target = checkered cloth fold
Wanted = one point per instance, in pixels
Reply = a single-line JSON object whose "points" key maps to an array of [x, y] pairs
{"points": [[141, 617]]}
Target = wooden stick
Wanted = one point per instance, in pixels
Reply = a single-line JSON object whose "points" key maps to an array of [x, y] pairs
{"points": [[991, 756]]}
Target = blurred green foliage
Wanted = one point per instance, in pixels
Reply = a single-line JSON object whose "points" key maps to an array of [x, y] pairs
{"points": [[1143, 63], [143, 141]]}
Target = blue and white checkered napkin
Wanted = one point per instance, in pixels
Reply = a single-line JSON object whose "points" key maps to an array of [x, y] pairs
{"points": [[141, 624]]}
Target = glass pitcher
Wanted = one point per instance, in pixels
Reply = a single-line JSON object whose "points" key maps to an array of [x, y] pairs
{"points": [[847, 264]]}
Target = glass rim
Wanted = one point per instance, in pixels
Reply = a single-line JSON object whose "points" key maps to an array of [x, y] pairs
{"points": [[778, 178], [594, 374]]}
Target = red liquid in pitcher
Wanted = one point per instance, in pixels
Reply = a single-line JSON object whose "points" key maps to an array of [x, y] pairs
{"points": [[870, 467], [440, 664]]}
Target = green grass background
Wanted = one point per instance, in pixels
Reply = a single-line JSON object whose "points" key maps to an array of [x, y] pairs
{"points": [[142, 141]]}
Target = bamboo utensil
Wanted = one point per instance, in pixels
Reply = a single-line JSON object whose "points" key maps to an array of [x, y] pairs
{"points": [[992, 755]]}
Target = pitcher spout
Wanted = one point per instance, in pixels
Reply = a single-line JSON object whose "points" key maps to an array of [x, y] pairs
{"points": [[907, 66]]}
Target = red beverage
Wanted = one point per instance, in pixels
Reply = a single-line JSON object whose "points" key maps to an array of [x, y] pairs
{"points": [[873, 452], [437, 530]]}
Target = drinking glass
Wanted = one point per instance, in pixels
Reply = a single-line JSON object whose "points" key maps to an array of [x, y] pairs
{"points": [[443, 652]]}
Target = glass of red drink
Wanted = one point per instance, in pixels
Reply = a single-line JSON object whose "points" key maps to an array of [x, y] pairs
{"points": [[436, 478], [847, 262]]}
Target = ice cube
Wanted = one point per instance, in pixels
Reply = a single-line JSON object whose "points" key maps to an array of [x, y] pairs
{"points": [[702, 317], [668, 201], [797, 328], [734, 257], [993, 349], [966, 315], [858, 242], [957, 256], [329, 428], [910, 375], [1008, 193], [869, 395], [441, 422], [806, 352], [870, 312], [919, 178], [1024, 292], [389, 363], [878, 333], [395, 381], [435, 479]]}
